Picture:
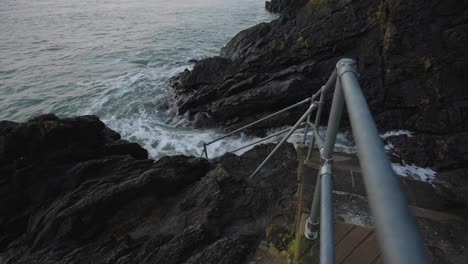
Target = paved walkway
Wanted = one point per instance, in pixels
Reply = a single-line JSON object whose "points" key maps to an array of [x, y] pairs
{"points": [[355, 240]]}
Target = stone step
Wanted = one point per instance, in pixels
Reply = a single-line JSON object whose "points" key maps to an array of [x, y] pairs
{"points": [[356, 245]]}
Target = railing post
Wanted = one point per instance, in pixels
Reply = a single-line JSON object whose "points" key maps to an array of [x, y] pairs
{"points": [[396, 230], [306, 129], [327, 254], [205, 151], [336, 112], [316, 123], [312, 222], [311, 228]]}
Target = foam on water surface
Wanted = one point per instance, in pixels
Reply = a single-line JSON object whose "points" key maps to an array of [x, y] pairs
{"points": [[405, 169], [394, 133], [415, 172]]}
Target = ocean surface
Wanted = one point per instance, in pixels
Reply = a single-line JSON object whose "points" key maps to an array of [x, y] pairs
{"points": [[113, 58]]}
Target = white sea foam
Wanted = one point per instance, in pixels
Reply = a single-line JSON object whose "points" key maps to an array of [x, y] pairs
{"points": [[407, 170], [162, 141], [415, 172], [394, 133], [141, 120], [389, 147]]}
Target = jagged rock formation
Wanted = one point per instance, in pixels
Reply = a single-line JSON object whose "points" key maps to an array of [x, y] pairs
{"points": [[72, 191], [411, 55]]}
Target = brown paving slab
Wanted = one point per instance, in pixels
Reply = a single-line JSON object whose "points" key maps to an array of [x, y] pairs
{"points": [[365, 253], [353, 245], [350, 242], [341, 230]]}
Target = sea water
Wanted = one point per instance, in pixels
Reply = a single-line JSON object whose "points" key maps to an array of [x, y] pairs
{"points": [[113, 59]]}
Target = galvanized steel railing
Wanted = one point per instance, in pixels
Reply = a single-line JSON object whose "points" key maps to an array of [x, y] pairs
{"points": [[312, 107], [398, 236], [397, 233]]}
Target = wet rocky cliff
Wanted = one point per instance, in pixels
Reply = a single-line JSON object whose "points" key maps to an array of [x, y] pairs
{"points": [[411, 56], [72, 191]]}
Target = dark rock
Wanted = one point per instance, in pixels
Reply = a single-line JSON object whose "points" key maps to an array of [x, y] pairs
{"points": [[283, 6], [438, 151], [123, 147], [76, 192], [410, 149], [203, 119], [37, 160], [226, 250], [457, 180], [243, 40]]}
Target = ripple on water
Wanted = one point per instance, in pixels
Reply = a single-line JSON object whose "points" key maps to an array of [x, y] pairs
{"points": [[54, 48]]}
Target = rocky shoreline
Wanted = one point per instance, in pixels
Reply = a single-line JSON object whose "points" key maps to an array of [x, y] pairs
{"points": [[72, 191]]}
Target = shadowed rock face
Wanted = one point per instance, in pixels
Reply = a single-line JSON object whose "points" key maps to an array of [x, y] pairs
{"points": [[284, 6], [71, 191], [411, 55]]}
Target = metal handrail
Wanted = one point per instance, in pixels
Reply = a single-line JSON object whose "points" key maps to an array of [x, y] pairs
{"points": [[396, 230], [398, 236], [205, 145], [312, 107], [261, 140]]}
